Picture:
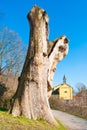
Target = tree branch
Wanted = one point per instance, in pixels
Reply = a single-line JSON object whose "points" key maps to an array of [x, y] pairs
{"points": [[57, 50]]}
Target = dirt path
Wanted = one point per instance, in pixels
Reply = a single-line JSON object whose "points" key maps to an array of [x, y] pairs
{"points": [[70, 121]]}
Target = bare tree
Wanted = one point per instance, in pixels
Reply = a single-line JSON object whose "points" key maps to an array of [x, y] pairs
{"points": [[80, 87], [12, 50], [31, 98], [81, 94]]}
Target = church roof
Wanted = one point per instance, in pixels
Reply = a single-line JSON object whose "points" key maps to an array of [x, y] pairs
{"points": [[64, 83], [58, 86]]}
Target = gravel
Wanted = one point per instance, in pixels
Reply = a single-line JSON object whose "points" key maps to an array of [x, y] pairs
{"points": [[69, 121]]}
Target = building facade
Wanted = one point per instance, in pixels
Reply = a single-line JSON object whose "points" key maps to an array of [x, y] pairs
{"points": [[64, 91]]}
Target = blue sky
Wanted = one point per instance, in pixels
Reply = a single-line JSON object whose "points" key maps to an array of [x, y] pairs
{"points": [[67, 17]]}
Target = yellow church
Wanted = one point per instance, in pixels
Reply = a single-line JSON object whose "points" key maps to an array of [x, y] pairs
{"points": [[64, 91]]}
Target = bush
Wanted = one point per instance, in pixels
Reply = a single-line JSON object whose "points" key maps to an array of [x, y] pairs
{"points": [[68, 106]]}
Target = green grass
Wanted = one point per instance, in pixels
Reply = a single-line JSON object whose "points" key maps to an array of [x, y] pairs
{"points": [[61, 127], [80, 116], [8, 122]]}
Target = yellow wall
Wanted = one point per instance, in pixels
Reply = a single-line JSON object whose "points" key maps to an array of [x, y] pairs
{"points": [[65, 92]]}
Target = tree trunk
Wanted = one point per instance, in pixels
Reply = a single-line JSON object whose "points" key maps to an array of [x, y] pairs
{"points": [[31, 98]]}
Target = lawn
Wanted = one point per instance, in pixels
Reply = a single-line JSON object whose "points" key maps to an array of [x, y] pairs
{"points": [[8, 122]]}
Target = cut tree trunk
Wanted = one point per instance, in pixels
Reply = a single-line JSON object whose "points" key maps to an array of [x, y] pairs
{"points": [[31, 98]]}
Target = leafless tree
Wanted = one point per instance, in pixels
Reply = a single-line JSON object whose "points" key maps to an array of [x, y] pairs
{"points": [[81, 94], [80, 87], [12, 50]]}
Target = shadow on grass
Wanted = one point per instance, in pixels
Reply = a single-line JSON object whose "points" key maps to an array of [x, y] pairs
{"points": [[3, 109]]}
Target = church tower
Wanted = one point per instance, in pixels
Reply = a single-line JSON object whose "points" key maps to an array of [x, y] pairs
{"points": [[64, 79]]}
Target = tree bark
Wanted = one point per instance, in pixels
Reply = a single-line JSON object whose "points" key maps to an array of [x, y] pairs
{"points": [[57, 50], [31, 98]]}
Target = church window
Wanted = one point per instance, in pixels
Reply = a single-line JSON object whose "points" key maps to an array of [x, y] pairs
{"points": [[65, 91]]}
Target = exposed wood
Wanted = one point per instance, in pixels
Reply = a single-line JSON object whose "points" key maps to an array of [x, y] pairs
{"points": [[31, 98], [59, 49]]}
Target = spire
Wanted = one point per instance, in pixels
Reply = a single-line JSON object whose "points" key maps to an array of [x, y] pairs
{"points": [[64, 79]]}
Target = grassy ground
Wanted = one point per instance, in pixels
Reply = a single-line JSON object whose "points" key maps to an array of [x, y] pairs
{"points": [[8, 122]]}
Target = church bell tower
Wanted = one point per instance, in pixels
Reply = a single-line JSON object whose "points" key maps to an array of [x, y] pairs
{"points": [[64, 79]]}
